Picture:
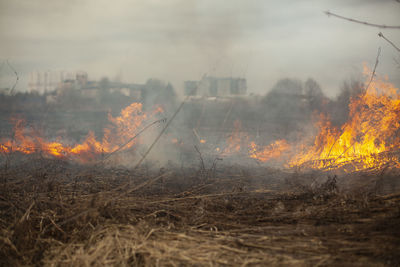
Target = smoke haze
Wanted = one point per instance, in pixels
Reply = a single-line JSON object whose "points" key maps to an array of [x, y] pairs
{"points": [[177, 40]]}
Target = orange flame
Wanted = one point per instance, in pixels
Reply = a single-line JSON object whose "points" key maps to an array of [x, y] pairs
{"points": [[369, 139], [371, 131], [236, 139], [272, 151], [120, 130]]}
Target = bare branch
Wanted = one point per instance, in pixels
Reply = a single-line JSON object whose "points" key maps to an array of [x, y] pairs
{"points": [[397, 61], [16, 80], [160, 134], [133, 138], [387, 40], [165, 128], [373, 72], [381, 26], [366, 89], [203, 166]]}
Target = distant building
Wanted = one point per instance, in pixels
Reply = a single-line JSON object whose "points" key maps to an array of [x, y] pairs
{"points": [[90, 90], [216, 87], [127, 89], [47, 81], [81, 77], [79, 83]]}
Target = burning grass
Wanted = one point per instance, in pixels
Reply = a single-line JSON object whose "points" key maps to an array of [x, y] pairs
{"points": [[121, 130], [368, 140], [57, 213]]}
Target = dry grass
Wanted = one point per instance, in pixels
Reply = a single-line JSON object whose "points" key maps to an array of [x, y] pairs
{"points": [[56, 214]]}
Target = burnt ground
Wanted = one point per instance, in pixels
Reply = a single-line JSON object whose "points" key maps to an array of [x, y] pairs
{"points": [[57, 213]]}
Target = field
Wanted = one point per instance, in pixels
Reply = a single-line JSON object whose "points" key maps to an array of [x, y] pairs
{"points": [[58, 213]]}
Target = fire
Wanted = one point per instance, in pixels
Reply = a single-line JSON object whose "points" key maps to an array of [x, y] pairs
{"points": [[272, 151], [123, 128], [366, 139], [369, 139], [120, 130], [236, 139]]}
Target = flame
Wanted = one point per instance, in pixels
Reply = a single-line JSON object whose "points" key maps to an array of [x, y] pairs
{"points": [[119, 131], [366, 138], [369, 139], [272, 151], [236, 139]]}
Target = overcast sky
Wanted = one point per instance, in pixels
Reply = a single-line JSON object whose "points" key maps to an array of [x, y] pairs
{"points": [[177, 40]]}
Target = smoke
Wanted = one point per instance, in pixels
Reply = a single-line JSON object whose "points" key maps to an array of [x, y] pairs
{"points": [[177, 40], [162, 43]]}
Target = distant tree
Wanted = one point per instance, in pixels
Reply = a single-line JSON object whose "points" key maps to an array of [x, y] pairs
{"points": [[312, 88], [104, 83], [287, 86], [285, 106], [283, 102], [290, 103], [340, 107], [314, 95], [156, 92]]}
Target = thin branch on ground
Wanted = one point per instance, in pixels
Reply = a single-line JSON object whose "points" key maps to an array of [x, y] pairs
{"points": [[203, 167], [381, 26]]}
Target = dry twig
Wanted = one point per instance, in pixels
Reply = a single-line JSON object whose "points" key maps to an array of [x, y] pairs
{"points": [[133, 138], [203, 167], [381, 26], [16, 80], [366, 89], [164, 129], [380, 34]]}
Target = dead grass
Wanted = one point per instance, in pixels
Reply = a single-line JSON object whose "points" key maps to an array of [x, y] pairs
{"points": [[56, 214]]}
